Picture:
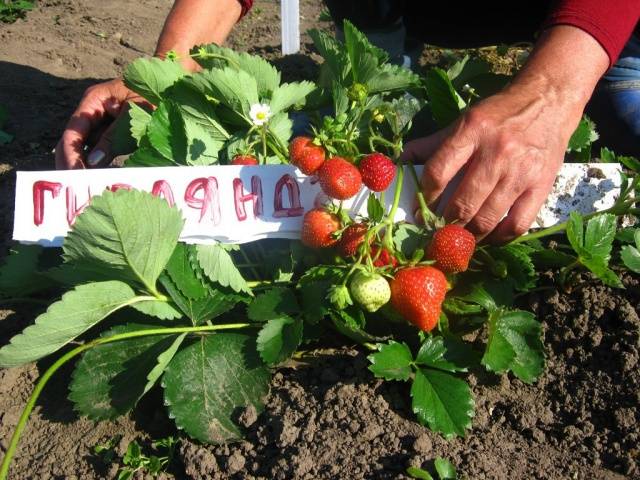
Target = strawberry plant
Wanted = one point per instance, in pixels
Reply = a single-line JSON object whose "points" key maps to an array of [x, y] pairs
{"points": [[208, 324]]}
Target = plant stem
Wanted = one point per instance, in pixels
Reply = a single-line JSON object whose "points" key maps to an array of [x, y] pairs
{"points": [[427, 215], [26, 412]]}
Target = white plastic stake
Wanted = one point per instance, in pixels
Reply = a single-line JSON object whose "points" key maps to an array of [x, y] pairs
{"points": [[290, 15]]}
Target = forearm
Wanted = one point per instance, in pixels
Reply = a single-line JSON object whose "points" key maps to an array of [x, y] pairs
{"points": [[564, 66], [193, 22]]}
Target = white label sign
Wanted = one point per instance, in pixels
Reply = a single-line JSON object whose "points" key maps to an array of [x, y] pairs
{"points": [[237, 204]]}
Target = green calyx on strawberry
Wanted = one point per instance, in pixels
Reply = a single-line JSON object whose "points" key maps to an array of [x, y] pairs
{"points": [[351, 239], [319, 228], [452, 247], [244, 160], [339, 178], [377, 171], [417, 294], [370, 290], [306, 155]]}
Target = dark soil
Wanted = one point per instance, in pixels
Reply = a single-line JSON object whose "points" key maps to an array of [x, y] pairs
{"points": [[326, 416]]}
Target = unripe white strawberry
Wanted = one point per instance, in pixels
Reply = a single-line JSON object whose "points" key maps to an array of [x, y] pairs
{"points": [[370, 290]]}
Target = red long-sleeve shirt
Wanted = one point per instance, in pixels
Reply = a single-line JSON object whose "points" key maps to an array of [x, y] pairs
{"points": [[610, 22]]}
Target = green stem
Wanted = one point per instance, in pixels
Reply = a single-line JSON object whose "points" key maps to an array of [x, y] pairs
{"points": [[388, 236], [219, 57], [263, 135], [427, 215], [26, 412]]}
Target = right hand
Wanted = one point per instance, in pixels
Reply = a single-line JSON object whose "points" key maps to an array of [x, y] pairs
{"points": [[93, 122]]}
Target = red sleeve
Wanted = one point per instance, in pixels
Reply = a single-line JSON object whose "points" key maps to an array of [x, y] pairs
{"points": [[246, 6], [609, 22]]}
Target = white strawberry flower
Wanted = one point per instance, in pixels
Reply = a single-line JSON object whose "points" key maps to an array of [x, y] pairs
{"points": [[260, 113]]}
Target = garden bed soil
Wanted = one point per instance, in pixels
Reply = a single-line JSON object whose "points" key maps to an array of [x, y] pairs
{"points": [[326, 416]]}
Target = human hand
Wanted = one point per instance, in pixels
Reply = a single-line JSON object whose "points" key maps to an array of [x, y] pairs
{"points": [[93, 122]]}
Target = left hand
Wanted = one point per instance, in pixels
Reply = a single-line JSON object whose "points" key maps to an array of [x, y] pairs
{"points": [[510, 148]]}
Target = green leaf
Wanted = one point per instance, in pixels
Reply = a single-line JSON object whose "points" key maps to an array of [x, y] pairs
{"points": [[150, 77], [290, 94], [5, 137], [457, 306], [278, 339], [350, 322], [392, 78], [148, 157], [19, 273], [109, 379], [273, 304], [548, 258], [599, 235], [267, 76], [598, 266], [583, 136], [575, 232], [419, 473], [627, 235], [218, 266], [514, 344], [129, 233], [162, 362], [375, 210], [166, 132], [631, 258], [392, 362], [334, 54], [401, 112], [446, 470], [208, 381], [632, 163], [157, 308], [446, 354], [236, 89], [202, 148], [201, 310], [281, 127], [314, 287], [444, 102], [476, 293], [442, 401], [140, 119], [520, 268], [182, 273], [407, 238], [76, 312]]}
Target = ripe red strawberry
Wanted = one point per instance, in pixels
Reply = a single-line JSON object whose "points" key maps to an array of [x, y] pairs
{"points": [[417, 294], [244, 160], [351, 239], [318, 227], [378, 171], [452, 247], [305, 155], [339, 178], [384, 259]]}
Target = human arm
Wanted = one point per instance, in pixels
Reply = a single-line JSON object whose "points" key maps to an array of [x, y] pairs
{"points": [[510, 146], [190, 22]]}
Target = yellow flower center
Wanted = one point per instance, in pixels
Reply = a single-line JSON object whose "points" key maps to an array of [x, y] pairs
{"points": [[261, 115]]}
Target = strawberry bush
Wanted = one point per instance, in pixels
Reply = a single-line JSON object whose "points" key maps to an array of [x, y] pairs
{"points": [[209, 323]]}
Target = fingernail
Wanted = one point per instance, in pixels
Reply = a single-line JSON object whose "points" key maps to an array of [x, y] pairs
{"points": [[95, 157]]}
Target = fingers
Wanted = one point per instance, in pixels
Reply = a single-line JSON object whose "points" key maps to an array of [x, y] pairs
{"points": [[70, 147], [494, 209], [101, 153], [520, 217]]}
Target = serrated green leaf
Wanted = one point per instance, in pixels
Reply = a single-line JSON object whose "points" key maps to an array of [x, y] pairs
{"points": [[166, 132], [476, 293], [202, 148], [632, 163], [401, 113], [281, 127], [583, 136], [148, 157], [627, 235], [456, 306], [598, 266], [351, 322], [278, 339], [129, 233], [218, 266], [267, 76], [236, 89], [140, 119], [201, 310], [334, 54], [150, 77], [515, 344], [548, 258], [314, 287], [109, 379], [444, 101], [375, 210], [442, 401], [182, 274], [392, 78], [76, 312], [407, 238], [446, 354], [158, 308], [520, 268], [446, 470], [575, 232], [273, 304], [19, 272], [599, 235], [162, 362], [392, 361], [289, 94], [208, 381]]}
